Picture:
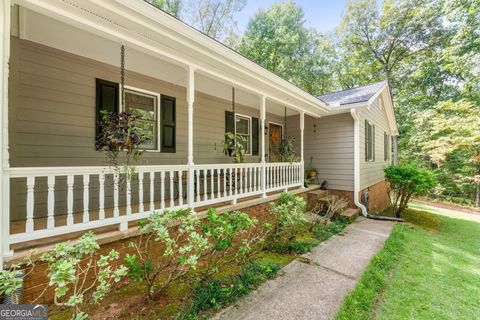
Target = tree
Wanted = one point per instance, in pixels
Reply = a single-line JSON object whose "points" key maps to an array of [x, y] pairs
{"points": [[278, 39], [452, 127], [215, 17], [405, 181], [403, 28], [173, 7]]}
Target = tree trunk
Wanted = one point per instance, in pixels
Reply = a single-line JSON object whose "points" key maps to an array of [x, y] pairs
{"points": [[478, 195], [395, 149]]}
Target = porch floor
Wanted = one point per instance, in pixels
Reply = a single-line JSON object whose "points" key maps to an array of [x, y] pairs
{"points": [[111, 233]]}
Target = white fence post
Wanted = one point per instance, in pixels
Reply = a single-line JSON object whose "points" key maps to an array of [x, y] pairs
{"points": [[263, 175], [191, 168], [302, 159]]}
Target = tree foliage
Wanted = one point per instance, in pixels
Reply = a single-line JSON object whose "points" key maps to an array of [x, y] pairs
{"points": [[278, 39], [406, 181]]}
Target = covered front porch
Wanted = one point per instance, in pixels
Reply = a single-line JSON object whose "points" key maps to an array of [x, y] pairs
{"points": [[55, 184]]}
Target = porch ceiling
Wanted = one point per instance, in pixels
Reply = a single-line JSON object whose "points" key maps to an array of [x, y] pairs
{"points": [[158, 47]]}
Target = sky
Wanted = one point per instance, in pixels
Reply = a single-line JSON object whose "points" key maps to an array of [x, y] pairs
{"points": [[323, 15]]}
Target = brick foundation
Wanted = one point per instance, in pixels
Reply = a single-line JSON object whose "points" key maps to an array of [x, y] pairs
{"points": [[36, 281], [347, 195], [377, 197]]}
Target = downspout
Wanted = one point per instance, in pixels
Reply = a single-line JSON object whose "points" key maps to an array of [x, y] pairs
{"points": [[356, 171], [356, 162]]}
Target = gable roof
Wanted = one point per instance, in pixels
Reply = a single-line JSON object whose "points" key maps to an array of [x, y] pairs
{"points": [[353, 95]]}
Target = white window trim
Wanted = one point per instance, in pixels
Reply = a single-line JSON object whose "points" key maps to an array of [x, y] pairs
{"points": [[249, 129], [372, 142], [150, 93]]}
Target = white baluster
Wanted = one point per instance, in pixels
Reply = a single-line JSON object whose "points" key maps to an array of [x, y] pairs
{"points": [[70, 181], [162, 190], [212, 179], [234, 181], [228, 173], [172, 198], [30, 203], [240, 188], [116, 211], [205, 190], [152, 191], [140, 193], [218, 183], [51, 202], [86, 197], [180, 188], [101, 196], [197, 172], [129, 194], [224, 171], [250, 189]]}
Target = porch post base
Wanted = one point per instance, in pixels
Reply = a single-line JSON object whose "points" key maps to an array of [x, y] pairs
{"points": [[123, 226]]}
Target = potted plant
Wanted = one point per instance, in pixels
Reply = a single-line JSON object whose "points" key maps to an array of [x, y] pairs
{"points": [[233, 147], [120, 134], [311, 172], [287, 150]]}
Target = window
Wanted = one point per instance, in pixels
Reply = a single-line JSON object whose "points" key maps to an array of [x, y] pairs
{"points": [[243, 128], [386, 146], [369, 141], [144, 105]]}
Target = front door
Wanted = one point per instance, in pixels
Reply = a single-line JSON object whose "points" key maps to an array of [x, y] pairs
{"points": [[275, 138]]}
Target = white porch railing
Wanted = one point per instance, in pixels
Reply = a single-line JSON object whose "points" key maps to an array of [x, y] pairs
{"points": [[53, 201]]}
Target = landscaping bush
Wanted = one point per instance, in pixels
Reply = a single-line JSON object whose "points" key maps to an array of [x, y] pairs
{"points": [[73, 266], [176, 252], [289, 217], [233, 236], [406, 181], [216, 240]]}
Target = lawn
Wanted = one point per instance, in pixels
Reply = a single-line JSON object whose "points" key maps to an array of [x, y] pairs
{"points": [[428, 269]]}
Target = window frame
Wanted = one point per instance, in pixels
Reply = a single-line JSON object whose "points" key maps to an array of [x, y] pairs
{"points": [[369, 141], [387, 146], [157, 113], [249, 118]]}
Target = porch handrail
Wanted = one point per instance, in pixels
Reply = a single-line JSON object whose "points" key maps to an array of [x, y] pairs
{"points": [[154, 188]]}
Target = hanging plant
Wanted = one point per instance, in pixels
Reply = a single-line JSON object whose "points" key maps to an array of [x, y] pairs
{"points": [[287, 150], [233, 146], [121, 140]]}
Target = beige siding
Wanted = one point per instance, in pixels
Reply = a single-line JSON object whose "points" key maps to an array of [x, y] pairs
{"points": [[52, 118], [372, 172], [328, 147], [52, 111]]}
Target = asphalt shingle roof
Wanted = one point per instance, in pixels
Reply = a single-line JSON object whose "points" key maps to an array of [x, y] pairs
{"points": [[353, 95]]}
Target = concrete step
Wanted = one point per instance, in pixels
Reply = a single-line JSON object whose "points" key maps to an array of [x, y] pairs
{"points": [[350, 214]]}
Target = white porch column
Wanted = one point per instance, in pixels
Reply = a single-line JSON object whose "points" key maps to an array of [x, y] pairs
{"points": [[302, 158], [4, 158], [190, 100], [262, 142]]}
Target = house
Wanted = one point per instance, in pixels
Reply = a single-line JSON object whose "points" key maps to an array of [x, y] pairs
{"points": [[61, 64]]}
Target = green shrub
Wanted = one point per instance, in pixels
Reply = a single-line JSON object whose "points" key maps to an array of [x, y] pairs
{"points": [[289, 217], [406, 181], [70, 265], [177, 252]]}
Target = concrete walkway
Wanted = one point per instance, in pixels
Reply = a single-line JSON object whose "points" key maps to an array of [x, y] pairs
{"points": [[314, 287]]}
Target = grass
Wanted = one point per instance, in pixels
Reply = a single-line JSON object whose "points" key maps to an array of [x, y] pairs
{"points": [[428, 269]]}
